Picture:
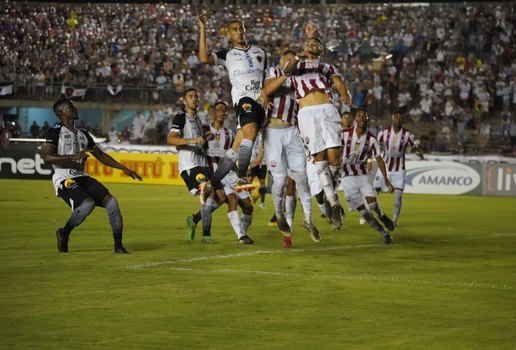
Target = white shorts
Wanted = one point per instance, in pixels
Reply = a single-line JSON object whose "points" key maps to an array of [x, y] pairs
{"points": [[282, 150], [397, 179], [229, 182], [356, 188], [313, 179], [319, 127]]}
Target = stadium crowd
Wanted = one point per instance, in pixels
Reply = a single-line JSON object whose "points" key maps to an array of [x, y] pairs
{"points": [[448, 65]]}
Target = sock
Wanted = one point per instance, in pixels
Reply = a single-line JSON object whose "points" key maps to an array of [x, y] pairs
{"points": [[79, 214], [115, 220], [263, 191], [246, 221], [397, 204], [224, 166], [278, 190], [322, 208], [375, 208], [334, 171], [244, 157], [206, 219], [323, 172], [234, 219], [197, 217], [290, 208], [303, 192], [369, 218]]}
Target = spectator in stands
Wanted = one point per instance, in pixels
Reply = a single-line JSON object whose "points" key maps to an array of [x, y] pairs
{"points": [[512, 135], [149, 130], [113, 135], [125, 135], [5, 135], [105, 44], [138, 127], [43, 130], [34, 130], [484, 132], [460, 128], [505, 124]]}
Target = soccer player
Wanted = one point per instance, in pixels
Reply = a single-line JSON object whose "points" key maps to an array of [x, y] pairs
{"points": [[284, 149], [394, 142], [358, 145], [188, 136], [65, 148], [219, 142], [319, 120], [246, 65]]}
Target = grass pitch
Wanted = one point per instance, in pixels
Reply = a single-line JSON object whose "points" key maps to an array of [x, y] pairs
{"points": [[448, 282]]}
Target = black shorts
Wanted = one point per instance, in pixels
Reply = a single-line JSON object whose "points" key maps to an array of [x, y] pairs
{"points": [[195, 176], [249, 111], [259, 171], [75, 191]]}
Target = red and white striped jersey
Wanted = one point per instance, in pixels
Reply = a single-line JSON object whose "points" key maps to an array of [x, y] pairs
{"points": [[356, 150], [312, 75], [284, 104], [394, 145], [222, 141]]}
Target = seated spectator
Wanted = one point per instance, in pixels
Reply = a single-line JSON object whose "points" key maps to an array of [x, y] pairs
{"points": [[34, 130]]}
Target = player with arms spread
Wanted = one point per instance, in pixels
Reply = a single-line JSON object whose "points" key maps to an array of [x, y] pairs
{"points": [[246, 65], [65, 148]]}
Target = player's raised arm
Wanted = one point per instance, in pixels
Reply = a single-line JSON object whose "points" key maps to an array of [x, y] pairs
{"points": [[204, 56]]}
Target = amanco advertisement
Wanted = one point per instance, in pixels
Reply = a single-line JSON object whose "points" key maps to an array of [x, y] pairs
{"points": [[424, 177]]}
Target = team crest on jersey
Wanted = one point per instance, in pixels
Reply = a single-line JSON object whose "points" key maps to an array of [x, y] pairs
{"points": [[247, 107], [69, 183], [259, 58], [273, 164], [200, 178]]}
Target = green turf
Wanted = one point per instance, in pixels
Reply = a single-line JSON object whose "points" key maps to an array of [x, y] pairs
{"points": [[448, 282]]}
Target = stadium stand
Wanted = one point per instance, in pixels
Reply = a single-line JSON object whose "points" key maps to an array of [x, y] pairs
{"points": [[451, 66]]}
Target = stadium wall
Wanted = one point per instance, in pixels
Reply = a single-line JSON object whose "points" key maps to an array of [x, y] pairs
{"points": [[446, 175]]}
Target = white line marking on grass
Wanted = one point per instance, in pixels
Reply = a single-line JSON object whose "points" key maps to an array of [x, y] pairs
{"points": [[238, 255], [474, 285], [369, 278]]}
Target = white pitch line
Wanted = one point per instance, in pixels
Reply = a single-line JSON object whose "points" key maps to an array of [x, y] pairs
{"points": [[238, 255], [259, 252], [473, 285]]}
